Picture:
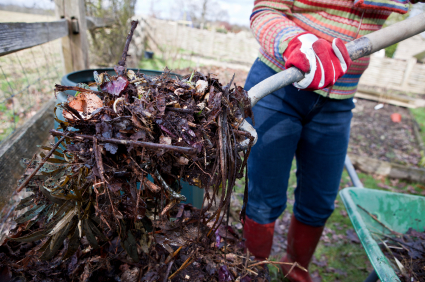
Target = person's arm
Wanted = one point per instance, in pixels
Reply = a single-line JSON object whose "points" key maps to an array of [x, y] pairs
{"points": [[322, 62], [272, 27]]}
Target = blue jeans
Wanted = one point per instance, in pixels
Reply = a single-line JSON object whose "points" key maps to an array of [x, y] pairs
{"points": [[314, 129]]}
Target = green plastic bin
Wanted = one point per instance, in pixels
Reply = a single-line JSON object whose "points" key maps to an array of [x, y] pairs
{"points": [[397, 211], [193, 194]]}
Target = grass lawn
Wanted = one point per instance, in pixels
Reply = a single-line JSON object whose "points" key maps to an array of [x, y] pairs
{"points": [[419, 115]]}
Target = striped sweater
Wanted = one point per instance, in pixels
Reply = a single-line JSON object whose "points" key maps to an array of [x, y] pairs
{"points": [[275, 22]]}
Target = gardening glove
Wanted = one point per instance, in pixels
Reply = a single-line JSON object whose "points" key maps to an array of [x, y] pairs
{"points": [[322, 63]]}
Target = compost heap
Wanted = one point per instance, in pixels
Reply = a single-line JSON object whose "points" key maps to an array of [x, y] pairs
{"points": [[406, 252], [106, 202]]}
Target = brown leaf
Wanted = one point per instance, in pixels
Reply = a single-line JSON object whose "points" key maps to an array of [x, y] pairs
{"points": [[136, 121], [139, 135], [352, 235], [115, 185], [86, 273]]}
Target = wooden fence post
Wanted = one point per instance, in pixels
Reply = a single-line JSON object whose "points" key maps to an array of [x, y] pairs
{"points": [[410, 65], [75, 47]]}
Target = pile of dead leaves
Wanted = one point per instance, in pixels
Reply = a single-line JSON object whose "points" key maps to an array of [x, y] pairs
{"points": [[406, 252], [106, 202]]}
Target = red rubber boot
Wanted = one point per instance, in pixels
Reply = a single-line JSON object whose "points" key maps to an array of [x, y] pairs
{"points": [[259, 238], [302, 242]]}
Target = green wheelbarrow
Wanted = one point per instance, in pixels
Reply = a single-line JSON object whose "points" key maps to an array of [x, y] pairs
{"points": [[397, 211]]}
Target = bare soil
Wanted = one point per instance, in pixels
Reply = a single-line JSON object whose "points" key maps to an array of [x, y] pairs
{"points": [[375, 135]]}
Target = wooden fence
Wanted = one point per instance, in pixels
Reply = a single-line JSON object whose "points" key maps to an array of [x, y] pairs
{"points": [[70, 28], [401, 75]]}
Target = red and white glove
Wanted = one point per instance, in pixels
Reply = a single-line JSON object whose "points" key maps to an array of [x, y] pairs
{"points": [[322, 63]]}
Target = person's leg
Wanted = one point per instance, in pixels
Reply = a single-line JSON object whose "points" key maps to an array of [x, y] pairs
{"points": [[320, 160], [278, 124], [270, 162], [268, 165]]}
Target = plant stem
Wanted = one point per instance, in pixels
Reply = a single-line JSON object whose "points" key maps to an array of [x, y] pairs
{"points": [[121, 63], [150, 145], [376, 219], [40, 165], [99, 161], [61, 88]]}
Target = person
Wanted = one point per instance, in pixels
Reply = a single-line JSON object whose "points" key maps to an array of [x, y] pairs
{"points": [[309, 120]]}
